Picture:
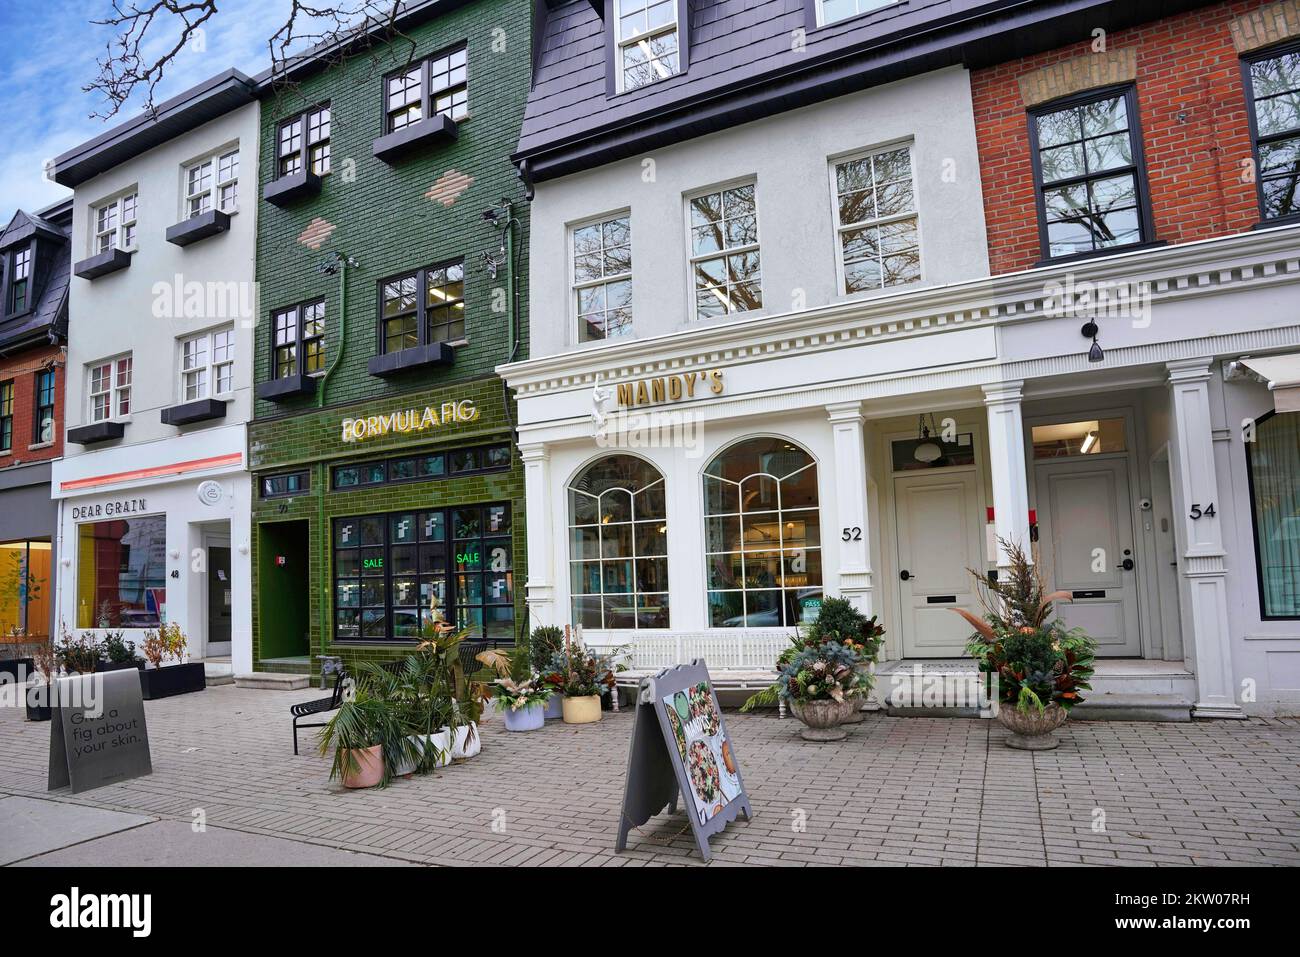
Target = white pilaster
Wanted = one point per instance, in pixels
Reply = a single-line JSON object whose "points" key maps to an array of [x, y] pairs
{"points": [[851, 503], [537, 500], [1007, 465], [1202, 569]]}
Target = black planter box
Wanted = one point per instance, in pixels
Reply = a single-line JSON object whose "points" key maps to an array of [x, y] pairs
{"points": [[96, 432], [200, 410], [418, 357], [172, 680], [17, 668], [292, 188], [101, 666], [101, 264], [434, 131], [40, 712], [198, 227], [286, 387]]}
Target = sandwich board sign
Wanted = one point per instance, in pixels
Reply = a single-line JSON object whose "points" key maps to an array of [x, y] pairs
{"points": [[97, 731], [680, 748]]}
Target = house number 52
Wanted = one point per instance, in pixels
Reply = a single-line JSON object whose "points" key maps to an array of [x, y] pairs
{"points": [[1197, 511], [853, 534]]}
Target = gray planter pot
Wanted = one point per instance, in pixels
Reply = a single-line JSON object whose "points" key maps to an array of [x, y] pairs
{"points": [[823, 719], [1032, 730], [554, 707], [528, 718]]}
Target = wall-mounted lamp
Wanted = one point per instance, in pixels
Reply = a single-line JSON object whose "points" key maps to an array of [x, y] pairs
{"points": [[1090, 331]]}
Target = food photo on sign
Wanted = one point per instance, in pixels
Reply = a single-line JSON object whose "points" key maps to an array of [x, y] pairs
{"points": [[704, 749]]}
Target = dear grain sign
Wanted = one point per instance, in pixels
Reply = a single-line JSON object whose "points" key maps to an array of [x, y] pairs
{"points": [[97, 732]]}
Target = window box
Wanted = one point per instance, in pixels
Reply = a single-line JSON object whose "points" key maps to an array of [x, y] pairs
{"points": [[435, 131], [96, 432], [198, 227], [286, 387], [101, 264], [200, 410], [394, 363], [291, 188], [171, 680]]}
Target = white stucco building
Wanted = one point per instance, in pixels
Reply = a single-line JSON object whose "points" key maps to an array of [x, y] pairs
{"points": [[153, 491]]}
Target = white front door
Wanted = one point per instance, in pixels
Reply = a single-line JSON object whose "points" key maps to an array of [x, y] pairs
{"points": [[1085, 535], [939, 541]]}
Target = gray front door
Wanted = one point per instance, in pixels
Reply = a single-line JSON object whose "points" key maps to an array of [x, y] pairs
{"points": [[219, 602]]}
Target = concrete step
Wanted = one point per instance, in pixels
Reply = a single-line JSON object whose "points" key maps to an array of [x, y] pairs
{"points": [[272, 681], [1132, 707], [218, 672]]}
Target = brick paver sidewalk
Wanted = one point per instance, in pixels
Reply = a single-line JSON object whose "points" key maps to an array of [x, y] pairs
{"points": [[897, 791]]}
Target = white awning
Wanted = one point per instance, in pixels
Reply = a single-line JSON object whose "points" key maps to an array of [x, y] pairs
{"points": [[1282, 373]]}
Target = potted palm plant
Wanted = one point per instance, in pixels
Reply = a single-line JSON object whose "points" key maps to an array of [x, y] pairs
{"points": [[1038, 668], [442, 643], [367, 737], [418, 692]]}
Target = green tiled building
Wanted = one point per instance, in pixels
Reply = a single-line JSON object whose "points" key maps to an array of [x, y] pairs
{"points": [[392, 241]]}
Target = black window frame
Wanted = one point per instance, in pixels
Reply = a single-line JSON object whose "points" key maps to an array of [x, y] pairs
{"points": [[453, 603], [1254, 522], [7, 418], [427, 96], [447, 472], [300, 341], [1138, 168], [1248, 82], [303, 152], [303, 476], [39, 408], [11, 280], [421, 307]]}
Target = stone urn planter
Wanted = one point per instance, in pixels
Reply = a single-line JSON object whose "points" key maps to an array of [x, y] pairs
{"points": [[1032, 730], [824, 719]]}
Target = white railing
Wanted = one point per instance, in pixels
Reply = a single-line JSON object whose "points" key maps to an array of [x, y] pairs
{"points": [[722, 650]]}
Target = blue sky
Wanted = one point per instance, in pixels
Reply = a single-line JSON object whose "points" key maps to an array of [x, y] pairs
{"points": [[47, 53]]}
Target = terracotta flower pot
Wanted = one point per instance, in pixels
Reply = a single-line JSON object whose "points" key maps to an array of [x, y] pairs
{"points": [[1031, 730], [823, 719], [370, 768], [583, 710]]}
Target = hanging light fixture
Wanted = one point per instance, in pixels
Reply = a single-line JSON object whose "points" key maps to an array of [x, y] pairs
{"points": [[927, 450], [1089, 331]]}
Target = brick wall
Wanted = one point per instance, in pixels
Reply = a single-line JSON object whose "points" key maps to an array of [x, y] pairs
{"points": [[380, 214], [1192, 110], [21, 369]]}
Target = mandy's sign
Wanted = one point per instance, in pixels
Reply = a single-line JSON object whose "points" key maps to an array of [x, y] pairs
{"points": [[668, 388], [410, 420]]}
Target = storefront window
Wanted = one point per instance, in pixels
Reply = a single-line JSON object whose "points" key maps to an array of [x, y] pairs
{"points": [[618, 545], [25, 589], [396, 574], [762, 535], [1274, 465], [122, 573]]}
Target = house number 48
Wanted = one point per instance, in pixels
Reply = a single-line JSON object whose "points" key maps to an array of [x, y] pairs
{"points": [[1197, 511]]}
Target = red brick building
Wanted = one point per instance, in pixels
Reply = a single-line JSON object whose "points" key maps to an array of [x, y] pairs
{"points": [[1193, 132], [35, 259]]}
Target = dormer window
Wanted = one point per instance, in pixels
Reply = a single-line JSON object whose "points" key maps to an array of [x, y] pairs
{"points": [[646, 41], [115, 224], [833, 11], [20, 285]]}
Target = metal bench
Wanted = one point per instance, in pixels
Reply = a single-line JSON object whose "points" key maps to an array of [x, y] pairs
{"points": [[319, 706]]}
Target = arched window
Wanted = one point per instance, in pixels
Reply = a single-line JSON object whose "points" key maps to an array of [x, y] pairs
{"points": [[618, 545], [762, 535], [1273, 459]]}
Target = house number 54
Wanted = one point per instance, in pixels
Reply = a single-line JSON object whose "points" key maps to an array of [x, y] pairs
{"points": [[853, 534], [1197, 511]]}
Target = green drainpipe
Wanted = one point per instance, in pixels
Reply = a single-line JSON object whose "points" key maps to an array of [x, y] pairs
{"points": [[321, 472]]}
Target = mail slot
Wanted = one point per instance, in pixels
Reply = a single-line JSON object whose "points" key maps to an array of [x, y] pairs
{"points": [[1089, 594], [941, 599]]}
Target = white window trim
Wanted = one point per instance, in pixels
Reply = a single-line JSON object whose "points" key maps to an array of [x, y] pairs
{"points": [[215, 185], [209, 367], [621, 44], [571, 232], [692, 259], [119, 229], [115, 391], [878, 5], [839, 228]]}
